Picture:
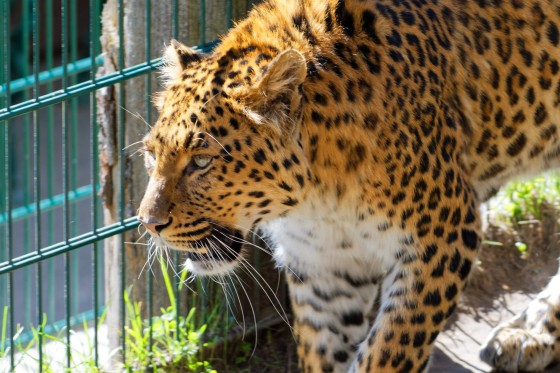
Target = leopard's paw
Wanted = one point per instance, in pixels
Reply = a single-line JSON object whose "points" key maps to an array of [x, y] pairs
{"points": [[530, 342], [515, 350]]}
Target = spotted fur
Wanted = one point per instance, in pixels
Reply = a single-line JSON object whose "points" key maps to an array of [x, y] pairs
{"points": [[361, 136]]}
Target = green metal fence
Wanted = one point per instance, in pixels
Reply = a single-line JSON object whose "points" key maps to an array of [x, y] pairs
{"points": [[51, 219]]}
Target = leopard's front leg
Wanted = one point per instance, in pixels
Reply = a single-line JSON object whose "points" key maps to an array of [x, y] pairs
{"points": [[330, 317], [419, 294]]}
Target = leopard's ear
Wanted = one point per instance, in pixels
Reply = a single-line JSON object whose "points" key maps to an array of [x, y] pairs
{"points": [[276, 96], [177, 57]]}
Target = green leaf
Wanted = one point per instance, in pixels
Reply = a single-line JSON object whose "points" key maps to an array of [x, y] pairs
{"points": [[521, 246]]}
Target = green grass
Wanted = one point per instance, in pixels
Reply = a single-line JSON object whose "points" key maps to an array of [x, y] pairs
{"points": [[525, 202], [524, 199], [176, 343], [176, 340]]}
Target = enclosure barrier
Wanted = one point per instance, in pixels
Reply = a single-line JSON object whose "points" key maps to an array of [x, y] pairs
{"points": [[54, 220]]}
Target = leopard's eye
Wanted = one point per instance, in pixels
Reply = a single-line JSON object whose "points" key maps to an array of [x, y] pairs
{"points": [[201, 161]]}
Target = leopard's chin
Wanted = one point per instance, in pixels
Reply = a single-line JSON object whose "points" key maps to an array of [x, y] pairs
{"points": [[219, 253]]}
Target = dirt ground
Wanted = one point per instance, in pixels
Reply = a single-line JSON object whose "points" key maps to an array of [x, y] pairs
{"points": [[502, 284], [491, 299]]}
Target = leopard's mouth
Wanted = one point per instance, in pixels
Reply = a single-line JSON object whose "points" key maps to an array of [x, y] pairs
{"points": [[218, 253], [222, 244]]}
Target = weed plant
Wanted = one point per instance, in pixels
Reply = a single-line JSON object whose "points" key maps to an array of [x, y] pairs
{"points": [[525, 202], [176, 340], [166, 343]]}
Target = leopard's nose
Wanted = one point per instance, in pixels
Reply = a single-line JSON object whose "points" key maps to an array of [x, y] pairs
{"points": [[155, 225]]}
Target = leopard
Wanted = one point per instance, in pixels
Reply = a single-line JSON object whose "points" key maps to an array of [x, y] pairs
{"points": [[361, 136]]}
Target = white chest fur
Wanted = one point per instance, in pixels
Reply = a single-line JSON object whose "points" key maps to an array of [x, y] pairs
{"points": [[323, 236]]}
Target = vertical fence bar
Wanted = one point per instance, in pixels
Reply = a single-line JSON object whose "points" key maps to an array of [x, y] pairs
{"points": [[176, 253], [202, 288], [65, 177], [150, 287], [202, 22], [67, 256], [7, 175], [6, 54], [3, 20], [26, 157], [94, 36], [50, 156], [9, 238], [175, 19], [37, 184], [177, 283], [121, 174], [73, 49], [229, 15]]}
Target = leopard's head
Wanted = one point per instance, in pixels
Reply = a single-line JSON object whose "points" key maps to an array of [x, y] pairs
{"points": [[224, 154]]}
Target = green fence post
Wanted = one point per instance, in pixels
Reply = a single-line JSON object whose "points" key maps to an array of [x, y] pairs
{"points": [[3, 61], [94, 15], [7, 185], [26, 153], [37, 185]]}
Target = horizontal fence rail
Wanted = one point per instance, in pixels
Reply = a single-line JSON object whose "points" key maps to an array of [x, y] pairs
{"points": [[86, 87], [71, 244], [29, 210], [49, 76]]}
